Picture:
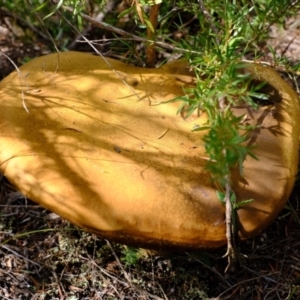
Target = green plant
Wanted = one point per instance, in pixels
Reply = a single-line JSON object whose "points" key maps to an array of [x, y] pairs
{"points": [[229, 31], [130, 256]]}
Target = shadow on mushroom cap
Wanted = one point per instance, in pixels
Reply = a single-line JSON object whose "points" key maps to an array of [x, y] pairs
{"points": [[98, 148]]}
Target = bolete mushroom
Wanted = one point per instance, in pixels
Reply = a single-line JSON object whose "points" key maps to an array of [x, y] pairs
{"points": [[98, 147]]}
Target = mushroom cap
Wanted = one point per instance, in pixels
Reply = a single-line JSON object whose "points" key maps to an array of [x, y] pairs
{"points": [[98, 147]]}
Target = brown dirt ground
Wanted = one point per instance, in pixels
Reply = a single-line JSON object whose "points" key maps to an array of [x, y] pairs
{"points": [[45, 257]]}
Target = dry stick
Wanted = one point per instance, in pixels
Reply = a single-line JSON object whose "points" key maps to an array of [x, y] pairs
{"points": [[220, 296], [151, 33], [127, 276], [230, 230], [210, 269], [110, 5], [209, 19], [104, 271], [60, 288], [19, 255], [121, 32], [14, 278], [107, 62], [230, 253]]}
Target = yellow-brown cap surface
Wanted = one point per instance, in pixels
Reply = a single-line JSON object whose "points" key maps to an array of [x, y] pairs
{"points": [[98, 148]]}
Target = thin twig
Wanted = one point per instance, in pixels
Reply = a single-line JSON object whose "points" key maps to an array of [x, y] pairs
{"points": [[151, 34], [210, 269], [229, 211], [43, 25], [20, 78], [100, 16], [127, 276], [104, 271], [230, 230], [220, 296], [104, 58], [209, 20], [19, 255], [123, 33]]}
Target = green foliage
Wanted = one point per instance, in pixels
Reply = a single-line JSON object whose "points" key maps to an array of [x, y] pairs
{"points": [[228, 31], [235, 205], [77, 6], [130, 256], [221, 85], [224, 144], [150, 2]]}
